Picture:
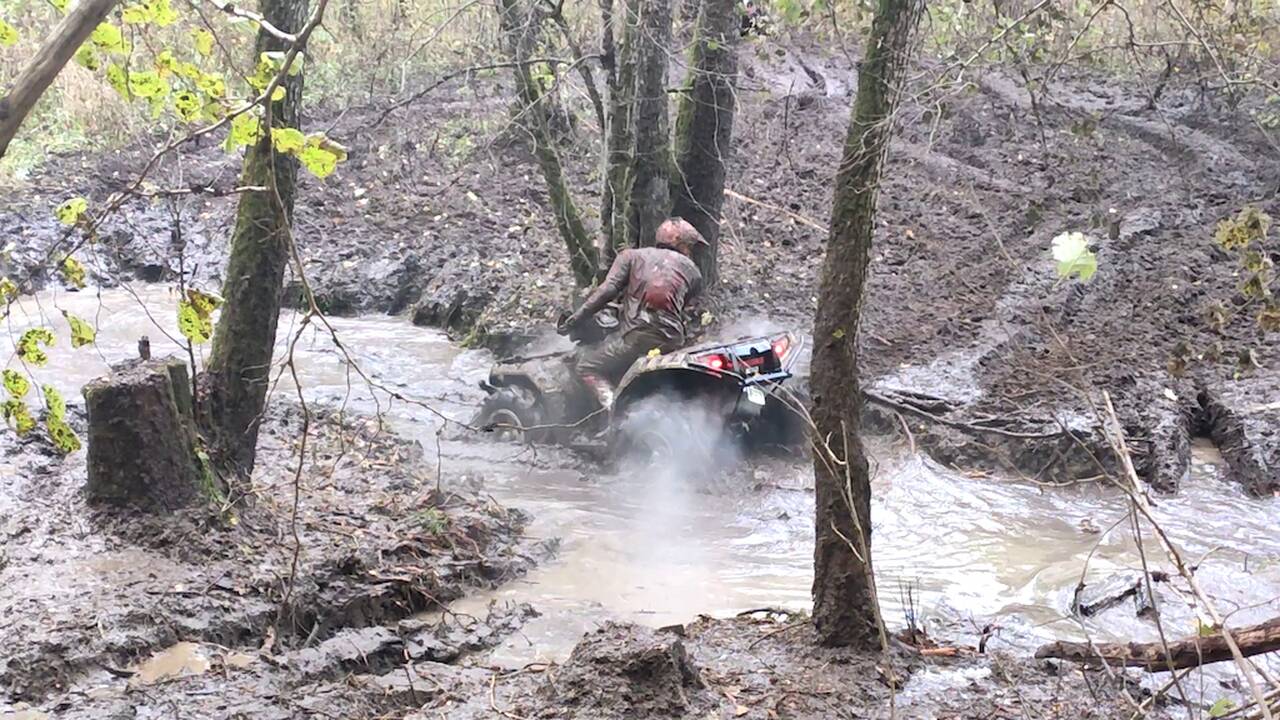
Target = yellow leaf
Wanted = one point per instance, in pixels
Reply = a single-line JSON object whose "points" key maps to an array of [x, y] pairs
{"points": [[109, 38], [82, 333], [87, 58], [72, 271], [8, 34], [203, 40], [70, 212], [654, 353], [137, 15], [287, 140]]}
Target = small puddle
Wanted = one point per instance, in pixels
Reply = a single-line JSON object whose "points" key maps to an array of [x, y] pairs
{"points": [[180, 660], [950, 549]]}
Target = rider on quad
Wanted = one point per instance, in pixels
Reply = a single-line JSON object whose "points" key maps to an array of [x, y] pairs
{"points": [[656, 285]]}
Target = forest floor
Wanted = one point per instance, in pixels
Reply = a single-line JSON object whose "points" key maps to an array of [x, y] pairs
{"points": [[439, 211]]}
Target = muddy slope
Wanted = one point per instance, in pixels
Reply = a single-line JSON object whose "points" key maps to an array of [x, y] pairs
{"points": [[440, 211], [91, 595]]}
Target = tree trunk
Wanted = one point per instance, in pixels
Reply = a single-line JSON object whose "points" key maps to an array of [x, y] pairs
{"points": [[240, 362], [844, 597], [704, 128], [142, 440], [1182, 654], [648, 197], [40, 71], [614, 131], [520, 26]]}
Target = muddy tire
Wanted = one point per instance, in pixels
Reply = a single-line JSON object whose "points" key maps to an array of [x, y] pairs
{"points": [[510, 413]]}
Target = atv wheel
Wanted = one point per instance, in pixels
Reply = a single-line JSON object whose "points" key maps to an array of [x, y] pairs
{"points": [[511, 413]]}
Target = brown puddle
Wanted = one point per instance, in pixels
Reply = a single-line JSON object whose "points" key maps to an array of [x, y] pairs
{"points": [[180, 660]]}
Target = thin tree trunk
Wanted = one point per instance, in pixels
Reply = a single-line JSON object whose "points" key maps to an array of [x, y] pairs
{"points": [[704, 128], [648, 196], [519, 26], [1181, 654], [609, 63], [622, 77], [844, 597], [40, 71], [240, 362], [584, 70]]}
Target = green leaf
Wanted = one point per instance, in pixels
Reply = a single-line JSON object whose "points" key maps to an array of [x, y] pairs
{"points": [[87, 58], [1221, 708], [287, 140], [838, 334], [278, 94], [192, 325], [212, 85], [16, 384], [203, 41], [30, 346], [70, 212], [137, 15], [245, 130], [72, 271], [1074, 257], [204, 303], [63, 437], [163, 12], [16, 412], [59, 5], [321, 155], [148, 84], [8, 291], [109, 38], [117, 79], [53, 399], [277, 58], [8, 34], [187, 106], [82, 333]]}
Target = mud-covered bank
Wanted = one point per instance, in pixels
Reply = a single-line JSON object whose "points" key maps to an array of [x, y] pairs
{"points": [[440, 212], [91, 595], [759, 666]]}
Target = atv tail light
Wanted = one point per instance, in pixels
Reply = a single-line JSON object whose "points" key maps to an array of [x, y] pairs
{"points": [[714, 361], [781, 346]]}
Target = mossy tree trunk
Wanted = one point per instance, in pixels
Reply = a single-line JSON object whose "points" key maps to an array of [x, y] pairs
{"points": [[142, 440], [704, 128], [519, 26], [648, 196], [844, 597], [240, 362]]}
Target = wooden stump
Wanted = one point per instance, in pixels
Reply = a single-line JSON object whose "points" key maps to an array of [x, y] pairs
{"points": [[142, 441]]}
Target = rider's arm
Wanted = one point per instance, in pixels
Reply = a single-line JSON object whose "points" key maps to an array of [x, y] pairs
{"points": [[614, 283]]}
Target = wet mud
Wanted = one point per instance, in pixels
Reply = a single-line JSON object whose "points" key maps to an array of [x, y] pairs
{"points": [[99, 602]]}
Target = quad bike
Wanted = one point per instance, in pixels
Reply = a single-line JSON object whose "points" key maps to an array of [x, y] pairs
{"points": [[735, 385]]}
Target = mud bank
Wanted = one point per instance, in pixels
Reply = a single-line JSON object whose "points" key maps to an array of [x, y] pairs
{"points": [[91, 595], [764, 665], [440, 212]]}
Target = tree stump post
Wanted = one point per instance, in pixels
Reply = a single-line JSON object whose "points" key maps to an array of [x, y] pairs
{"points": [[142, 439]]}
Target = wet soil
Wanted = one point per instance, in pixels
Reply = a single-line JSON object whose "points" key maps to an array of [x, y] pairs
{"points": [[440, 212], [769, 665], [92, 594]]}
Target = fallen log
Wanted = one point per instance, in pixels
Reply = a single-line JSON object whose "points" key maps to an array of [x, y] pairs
{"points": [[1182, 654]]}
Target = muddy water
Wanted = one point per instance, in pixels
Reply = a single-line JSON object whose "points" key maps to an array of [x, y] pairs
{"points": [[957, 551]]}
